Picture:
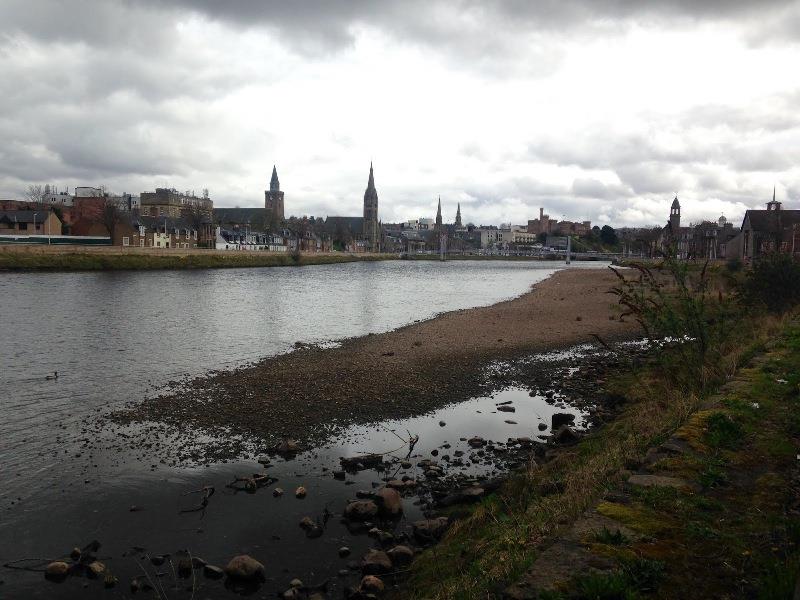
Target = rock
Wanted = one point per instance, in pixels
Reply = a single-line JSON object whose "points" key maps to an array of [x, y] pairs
{"points": [[135, 508], [56, 571], [359, 463], [75, 554], [344, 551], [306, 523], [476, 442], [245, 568], [341, 475], [400, 555], [109, 581], [287, 446], [277, 492], [559, 419], [506, 408], [360, 510], [212, 572], [434, 452], [158, 560], [184, 568], [198, 563], [472, 494], [565, 435], [406, 465], [542, 426], [510, 422], [442, 423], [296, 583], [371, 585], [314, 531], [389, 501], [300, 492], [376, 562], [430, 530], [95, 569], [396, 484]]}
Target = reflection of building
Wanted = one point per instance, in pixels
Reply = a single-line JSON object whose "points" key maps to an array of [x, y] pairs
{"points": [[172, 203], [273, 199]]}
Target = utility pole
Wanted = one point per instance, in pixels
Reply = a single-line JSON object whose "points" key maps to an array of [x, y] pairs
{"points": [[569, 248]]}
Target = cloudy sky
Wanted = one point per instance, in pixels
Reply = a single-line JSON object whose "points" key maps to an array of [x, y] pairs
{"points": [[594, 109]]}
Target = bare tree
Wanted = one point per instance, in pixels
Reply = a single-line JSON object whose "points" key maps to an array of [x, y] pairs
{"points": [[36, 193], [111, 215]]}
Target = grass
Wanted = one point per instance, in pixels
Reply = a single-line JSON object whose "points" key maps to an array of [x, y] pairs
{"points": [[97, 261], [490, 548]]}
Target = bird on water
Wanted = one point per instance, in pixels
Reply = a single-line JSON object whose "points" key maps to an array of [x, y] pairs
{"points": [[53, 376]]}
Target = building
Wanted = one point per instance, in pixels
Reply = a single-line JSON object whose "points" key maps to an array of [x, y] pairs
{"points": [[156, 232], [458, 224], [273, 199], [545, 225], [772, 230], [172, 203], [372, 228], [29, 222]]}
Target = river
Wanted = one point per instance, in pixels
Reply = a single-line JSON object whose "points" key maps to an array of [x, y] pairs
{"points": [[114, 337]]}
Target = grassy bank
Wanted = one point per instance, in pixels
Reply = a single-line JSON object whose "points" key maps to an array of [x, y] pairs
{"points": [[99, 261]]}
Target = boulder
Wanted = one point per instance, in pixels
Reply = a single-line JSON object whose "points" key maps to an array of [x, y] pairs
{"points": [[476, 442], [371, 585], [344, 551], [307, 523], [400, 555], [542, 426], [565, 435], [390, 503], [559, 419], [361, 510], [430, 530], [300, 492], [506, 408], [287, 446], [56, 571], [376, 562], [95, 569], [277, 492], [245, 568]]}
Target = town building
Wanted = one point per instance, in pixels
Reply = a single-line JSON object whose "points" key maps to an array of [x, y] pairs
{"points": [[772, 230], [156, 232], [175, 204], [273, 198], [29, 222], [358, 234], [371, 226], [545, 225]]}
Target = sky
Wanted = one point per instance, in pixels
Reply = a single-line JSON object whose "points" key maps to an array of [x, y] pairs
{"points": [[593, 109]]}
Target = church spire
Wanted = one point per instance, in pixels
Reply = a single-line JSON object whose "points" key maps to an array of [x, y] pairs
{"points": [[371, 182], [439, 214], [274, 184], [458, 216]]}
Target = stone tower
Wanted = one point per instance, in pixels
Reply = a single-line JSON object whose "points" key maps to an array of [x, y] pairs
{"points": [[675, 216], [458, 217], [439, 215], [273, 199], [371, 226]]}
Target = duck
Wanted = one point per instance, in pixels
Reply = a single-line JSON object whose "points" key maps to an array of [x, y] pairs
{"points": [[53, 376]]}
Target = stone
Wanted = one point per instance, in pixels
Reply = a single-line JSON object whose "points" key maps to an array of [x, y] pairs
{"points": [[542, 426], [442, 423], [287, 446], [397, 484], [390, 503], [371, 585], [109, 581], [559, 419], [95, 569], [300, 492], [472, 494], [400, 555], [314, 531], [341, 475], [344, 551], [56, 571], [565, 435], [510, 422], [296, 583], [277, 492], [75, 554], [506, 408], [184, 568], [306, 523], [158, 560], [359, 463], [360, 510], [245, 568], [476, 442], [212, 572], [430, 530], [376, 562]]}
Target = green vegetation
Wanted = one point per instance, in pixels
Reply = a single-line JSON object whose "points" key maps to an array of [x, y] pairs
{"points": [[773, 283], [97, 261], [732, 526]]}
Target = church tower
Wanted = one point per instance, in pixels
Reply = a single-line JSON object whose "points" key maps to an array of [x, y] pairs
{"points": [[458, 217], [273, 199], [675, 216], [371, 226], [439, 216]]}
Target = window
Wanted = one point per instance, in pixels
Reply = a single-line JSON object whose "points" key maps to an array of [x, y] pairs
{"points": [[141, 243], [23, 226], [126, 241]]}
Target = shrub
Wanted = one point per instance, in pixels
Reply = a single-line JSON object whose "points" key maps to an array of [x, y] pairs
{"points": [[773, 283]]}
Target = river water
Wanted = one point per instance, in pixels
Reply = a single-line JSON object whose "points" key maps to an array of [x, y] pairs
{"points": [[114, 337]]}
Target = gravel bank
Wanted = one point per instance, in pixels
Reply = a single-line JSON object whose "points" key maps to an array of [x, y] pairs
{"points": [[392, 375]]}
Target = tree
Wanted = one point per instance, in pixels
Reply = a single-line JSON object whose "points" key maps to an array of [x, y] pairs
{"points": [[608, 236], [111, 216], [36, 193]]}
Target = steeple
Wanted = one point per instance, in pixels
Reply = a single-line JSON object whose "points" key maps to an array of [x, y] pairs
{"points": [[675, 216], [371, 182], [274, 184], [458, 216], [371, 229], [439, 214]]}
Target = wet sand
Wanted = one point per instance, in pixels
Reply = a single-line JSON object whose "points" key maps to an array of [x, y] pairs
{"points": [[396, 374]]}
